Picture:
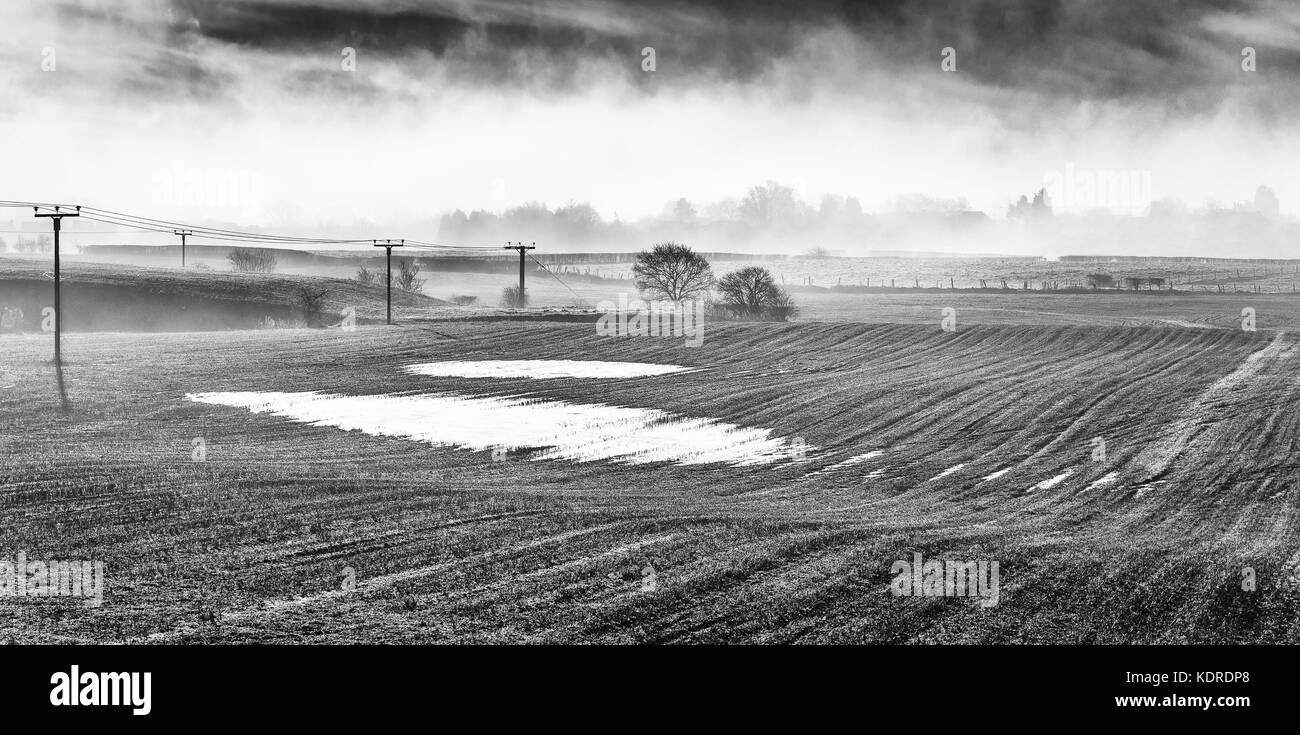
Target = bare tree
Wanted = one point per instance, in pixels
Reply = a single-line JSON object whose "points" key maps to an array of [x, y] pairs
{"points": [[408, 275], [312, 301], [252, 260], [672, 271], [754, 292]]}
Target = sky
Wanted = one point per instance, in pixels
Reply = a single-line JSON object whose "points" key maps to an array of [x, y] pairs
{"points": [[249, 112]]}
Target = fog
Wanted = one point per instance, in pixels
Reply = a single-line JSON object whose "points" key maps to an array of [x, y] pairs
{"points": [[243, 113]]}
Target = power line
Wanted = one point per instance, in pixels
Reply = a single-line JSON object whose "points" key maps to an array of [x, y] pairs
{"points": [[80, 232], [218, 233], [151, 224], [138, 224], [163, 226], [167, 224], [421, 243], [556, 277], [25, 205], [213, 234]]}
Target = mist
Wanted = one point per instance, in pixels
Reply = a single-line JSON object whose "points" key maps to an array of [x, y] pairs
{"points": [[245, 113]]}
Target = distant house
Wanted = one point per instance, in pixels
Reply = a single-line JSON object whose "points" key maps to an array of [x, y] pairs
{"points": [[1101, 280]]}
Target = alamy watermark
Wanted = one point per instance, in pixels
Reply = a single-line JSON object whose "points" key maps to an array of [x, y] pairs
{"points": [[52, 578], [102, 689], [1078, 190], [662, 318], [229, 190], [946, 578]]}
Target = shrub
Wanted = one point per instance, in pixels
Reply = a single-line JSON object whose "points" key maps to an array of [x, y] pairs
{"points": [[252, 260], [407, 276], [464, 300], [754, 293], [312, 301], [512, 298]]}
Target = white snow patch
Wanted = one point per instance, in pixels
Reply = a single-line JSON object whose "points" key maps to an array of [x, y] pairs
{"points": [[1107, 479], [947, 472], [857, 459], [539, 369], [559, 430], [1052, 482]]}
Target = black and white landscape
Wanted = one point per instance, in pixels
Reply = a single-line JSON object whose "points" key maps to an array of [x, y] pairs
{"points": [[597, 321]]}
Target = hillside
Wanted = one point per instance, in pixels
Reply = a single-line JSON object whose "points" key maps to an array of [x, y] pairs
{"points": [[103, 297]]}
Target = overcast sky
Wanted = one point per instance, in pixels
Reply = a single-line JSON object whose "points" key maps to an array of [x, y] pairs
{"points": [[457, 104]]}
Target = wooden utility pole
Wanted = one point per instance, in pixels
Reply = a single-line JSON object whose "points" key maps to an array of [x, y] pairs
{"points": [[56, 217], [388, 246], [521, 248], [184, 234]]}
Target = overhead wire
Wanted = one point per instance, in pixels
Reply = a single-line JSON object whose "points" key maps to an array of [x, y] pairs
{"points": [[142, 224], [562, 283]]}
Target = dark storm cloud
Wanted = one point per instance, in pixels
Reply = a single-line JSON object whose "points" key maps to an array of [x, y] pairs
{"points": [[282, 26], [1065, 48], [1182, 57], [503, 42]]}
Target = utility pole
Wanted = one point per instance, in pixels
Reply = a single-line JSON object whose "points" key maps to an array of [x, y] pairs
{"points": [[521, 248], [184, 234], [56, 217], [388, 246]]}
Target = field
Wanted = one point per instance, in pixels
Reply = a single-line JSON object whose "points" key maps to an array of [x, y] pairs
{"points": [[974, 444], [1186, 274], [1195, 310]]}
